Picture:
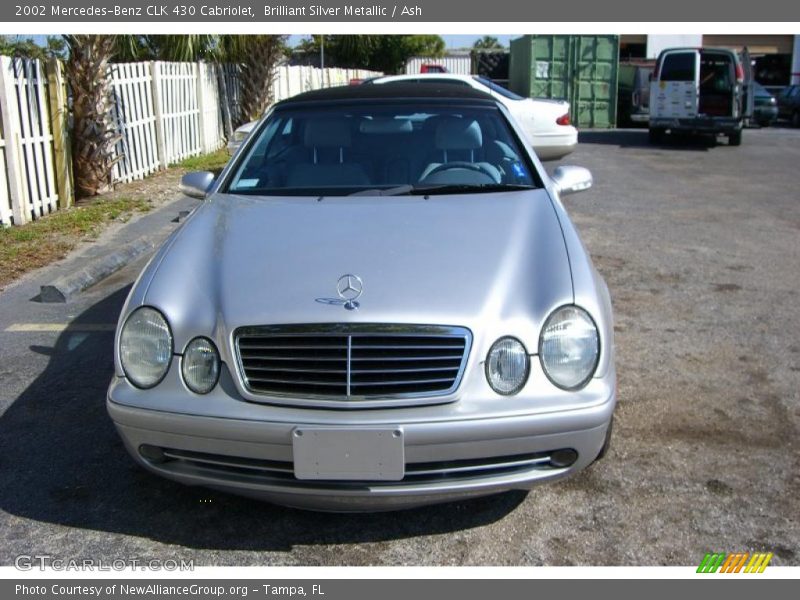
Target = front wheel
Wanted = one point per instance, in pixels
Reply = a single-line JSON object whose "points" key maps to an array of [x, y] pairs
{"points": [[796, 118], [655, 135], [735, 138]]}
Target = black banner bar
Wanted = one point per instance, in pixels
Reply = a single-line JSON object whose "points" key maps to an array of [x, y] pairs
{"points": [[317, 11]]}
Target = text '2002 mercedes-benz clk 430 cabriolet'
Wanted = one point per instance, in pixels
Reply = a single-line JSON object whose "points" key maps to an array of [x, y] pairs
{"points": [[380, 303]]}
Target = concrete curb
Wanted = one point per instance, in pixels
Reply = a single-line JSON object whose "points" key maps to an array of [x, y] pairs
{"points": [[62, 288]]}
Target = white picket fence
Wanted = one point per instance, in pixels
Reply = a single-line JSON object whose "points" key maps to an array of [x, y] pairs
{"points": [[135, 115], [27, 179], [165, 112]]}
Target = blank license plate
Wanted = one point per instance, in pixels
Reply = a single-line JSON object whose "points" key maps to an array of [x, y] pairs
{"points": [[353, 454]]}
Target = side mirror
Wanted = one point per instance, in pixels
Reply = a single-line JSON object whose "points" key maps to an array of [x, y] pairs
{"points": [[569, 180], [196, 185]]}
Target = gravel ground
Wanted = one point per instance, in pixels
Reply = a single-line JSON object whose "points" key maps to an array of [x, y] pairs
{"points": [[700, 245]]}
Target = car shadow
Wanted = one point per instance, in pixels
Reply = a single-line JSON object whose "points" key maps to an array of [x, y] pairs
{"points": [[638, 138], [62, 462]]}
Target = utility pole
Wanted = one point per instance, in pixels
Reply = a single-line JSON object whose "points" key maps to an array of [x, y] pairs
{"points": [[322, 52]]}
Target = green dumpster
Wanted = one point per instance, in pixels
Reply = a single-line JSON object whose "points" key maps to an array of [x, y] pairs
{"points": [[581, 69]]}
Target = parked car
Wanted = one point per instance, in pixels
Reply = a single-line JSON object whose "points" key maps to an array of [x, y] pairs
{"points": [[765, 109], [700, 91], [546, 122], [432, 68], [633, 98], [789, 104], [240, 135], [380, 303]]}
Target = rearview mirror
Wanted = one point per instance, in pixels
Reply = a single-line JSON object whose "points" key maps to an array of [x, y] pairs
{"points": [[569, 180], [197, 184]]}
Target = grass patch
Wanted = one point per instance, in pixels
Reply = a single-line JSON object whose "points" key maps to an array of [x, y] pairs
{"points": [[45, 240], [214, 162]]}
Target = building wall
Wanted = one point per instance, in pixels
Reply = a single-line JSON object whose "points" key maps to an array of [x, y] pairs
{"points": [[756, 44], [657, 43], [460, 64]]}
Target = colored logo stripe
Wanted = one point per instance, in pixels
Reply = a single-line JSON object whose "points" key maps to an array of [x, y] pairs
{"points": [[733, 563], [758, 563], [711, 562]]}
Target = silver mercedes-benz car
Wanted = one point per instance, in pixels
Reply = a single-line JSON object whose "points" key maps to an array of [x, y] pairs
{"points": [[379, 303]]}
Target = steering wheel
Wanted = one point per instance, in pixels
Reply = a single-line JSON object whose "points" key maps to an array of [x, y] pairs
{"points": [[463, 165]]}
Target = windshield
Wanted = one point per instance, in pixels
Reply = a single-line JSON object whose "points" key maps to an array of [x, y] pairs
{"points": [[499, 89], [385, 149]]}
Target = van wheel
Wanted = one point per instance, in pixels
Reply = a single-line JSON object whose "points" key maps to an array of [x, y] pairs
{"points": [[735, 138], [655, 135], [796, 118]]}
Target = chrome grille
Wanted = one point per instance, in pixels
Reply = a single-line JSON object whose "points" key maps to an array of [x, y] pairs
{"points": [[352, 362]]}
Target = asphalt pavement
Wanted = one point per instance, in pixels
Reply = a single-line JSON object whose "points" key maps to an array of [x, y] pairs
{"points": [[700, 245]]}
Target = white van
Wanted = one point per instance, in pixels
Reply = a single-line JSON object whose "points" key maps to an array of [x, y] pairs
{"points": [[701, 90]]}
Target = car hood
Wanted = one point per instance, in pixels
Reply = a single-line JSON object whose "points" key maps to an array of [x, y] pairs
{"points": [[497, 259]]}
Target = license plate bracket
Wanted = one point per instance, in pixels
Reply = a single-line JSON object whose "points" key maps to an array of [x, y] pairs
{"points": [[354, 454]]}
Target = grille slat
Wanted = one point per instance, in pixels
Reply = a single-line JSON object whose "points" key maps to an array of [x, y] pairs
{"points": [[291, 381], [404, 382], [352, 362], [282, 369], [409, 370]]}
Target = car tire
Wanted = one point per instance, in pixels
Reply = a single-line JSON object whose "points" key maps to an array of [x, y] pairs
{"points": [[735, 138], [796, 118], [655, 135]]}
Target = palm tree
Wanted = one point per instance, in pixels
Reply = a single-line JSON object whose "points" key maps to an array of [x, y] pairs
{"points": [[258, 56], [94, 134], [487, 42]]}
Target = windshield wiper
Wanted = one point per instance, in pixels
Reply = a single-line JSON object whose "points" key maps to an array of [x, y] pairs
{"points": [[444, 188], [470, 188], [400, 190]]}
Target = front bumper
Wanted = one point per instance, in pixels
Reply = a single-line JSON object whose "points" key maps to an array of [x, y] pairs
{"points": [[765, 115], [446, 458]]}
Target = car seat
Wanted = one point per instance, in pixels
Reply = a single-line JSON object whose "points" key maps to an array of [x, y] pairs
{"points": [[329, 141], [458, 139]]}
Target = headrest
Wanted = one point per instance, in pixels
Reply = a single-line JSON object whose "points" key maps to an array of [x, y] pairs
{"points": [[454, 133], [327, 133]]}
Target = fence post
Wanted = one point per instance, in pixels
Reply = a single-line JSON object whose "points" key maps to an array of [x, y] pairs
{"points": [[12, 134], [160, 145], [58, 123], [201, 106]]}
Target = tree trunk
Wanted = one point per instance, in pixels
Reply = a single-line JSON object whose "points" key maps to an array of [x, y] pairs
{"points": [[258, 72], [94, 132]]}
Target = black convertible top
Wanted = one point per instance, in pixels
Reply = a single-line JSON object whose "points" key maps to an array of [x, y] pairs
{"points": [[391, 91]]}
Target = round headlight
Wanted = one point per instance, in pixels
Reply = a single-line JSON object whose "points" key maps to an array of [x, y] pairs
{"points": [[569, 347], [145, 347], [507, 366], [200, 365]]}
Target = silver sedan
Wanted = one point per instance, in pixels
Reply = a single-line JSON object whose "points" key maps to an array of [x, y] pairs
{"points": [[380, 303]]}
